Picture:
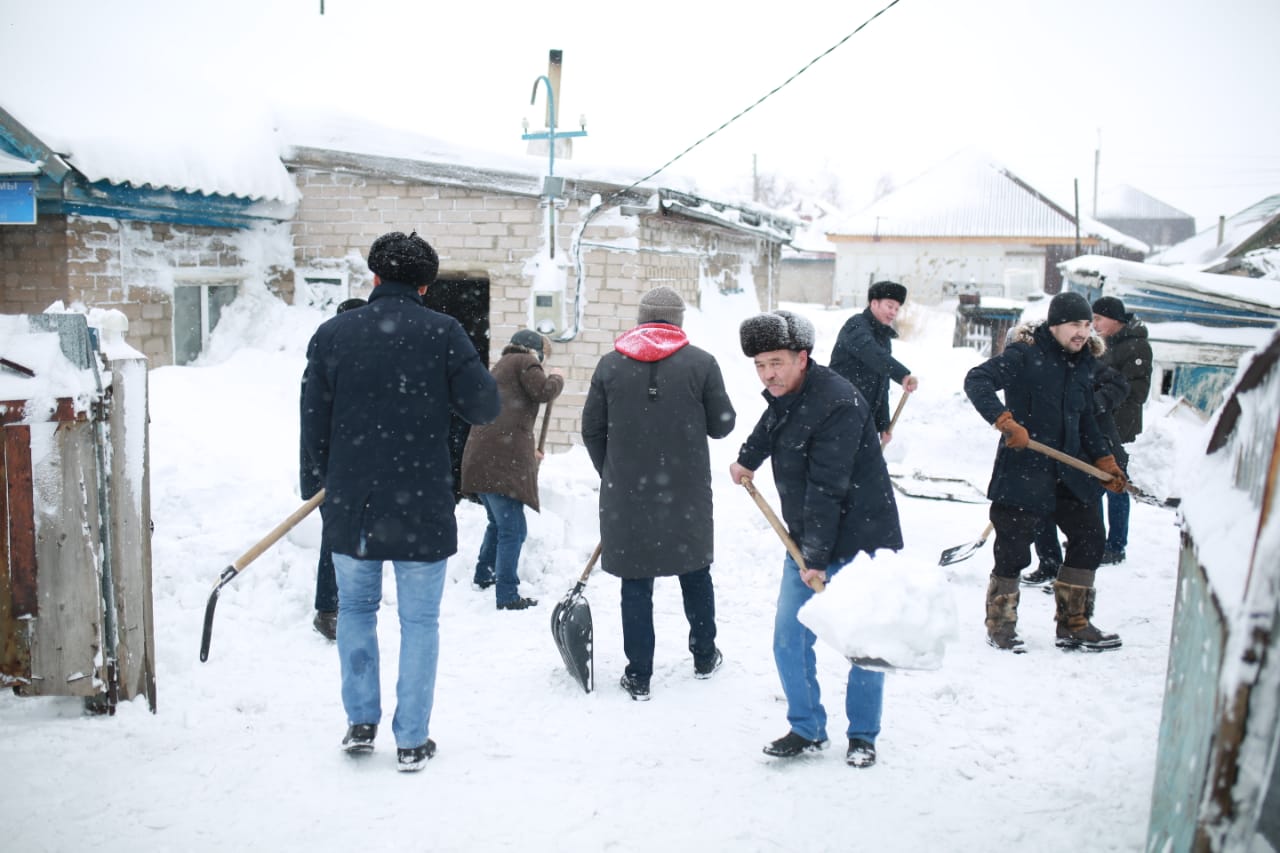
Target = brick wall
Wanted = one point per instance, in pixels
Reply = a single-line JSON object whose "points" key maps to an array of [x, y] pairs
{"points": [[33, 265]]}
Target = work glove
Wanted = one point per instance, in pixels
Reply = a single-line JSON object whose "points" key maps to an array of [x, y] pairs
{"points": [[1118, 482], [1015, 434]]}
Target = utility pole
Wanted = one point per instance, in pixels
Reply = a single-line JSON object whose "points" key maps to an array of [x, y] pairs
{"points": [[1097, 160]]}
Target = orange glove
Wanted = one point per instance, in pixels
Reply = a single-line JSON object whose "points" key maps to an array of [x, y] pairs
{"points": [[1118, 482], [1015, 434]]}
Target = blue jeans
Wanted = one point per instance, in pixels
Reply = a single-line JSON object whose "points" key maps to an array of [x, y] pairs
{"points": [[419, 587], [699, 597], [1117, 521], [504, 536], [798, 669]]}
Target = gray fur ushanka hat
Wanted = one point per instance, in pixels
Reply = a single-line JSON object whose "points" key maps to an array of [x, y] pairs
{"points": [[776, 330]]}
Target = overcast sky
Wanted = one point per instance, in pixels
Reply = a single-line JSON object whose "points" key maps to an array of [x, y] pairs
{"points": [[1176, 90]]}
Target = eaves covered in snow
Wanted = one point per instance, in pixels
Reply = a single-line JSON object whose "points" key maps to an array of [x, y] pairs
{"points": [[970, 196], [1125, 202], [753, 220]]}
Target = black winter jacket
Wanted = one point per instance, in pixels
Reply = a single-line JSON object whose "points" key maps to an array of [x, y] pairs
{"points": [[836, 495], [1129, 352], [863, 354], [651, 451], [1050, 392], [377, 392]]}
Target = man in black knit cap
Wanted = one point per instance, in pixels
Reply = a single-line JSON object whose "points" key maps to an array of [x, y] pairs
{"points": [[1048, 395]]}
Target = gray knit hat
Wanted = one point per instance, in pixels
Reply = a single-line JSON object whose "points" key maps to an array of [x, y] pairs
{"points": [[661, 305], [530, 340], [774, 331]]}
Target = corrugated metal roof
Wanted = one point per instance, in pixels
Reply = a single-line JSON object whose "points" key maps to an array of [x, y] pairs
{"points": [[1125, 202], [1204, 250], [967, 195]]}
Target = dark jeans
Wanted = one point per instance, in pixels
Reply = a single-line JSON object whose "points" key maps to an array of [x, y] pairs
{"points": [[637, 620], [1117, 521], [1017, 529], [326, 582]]}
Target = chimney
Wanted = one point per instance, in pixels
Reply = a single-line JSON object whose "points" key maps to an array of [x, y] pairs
{"points": [[1222, 226]]}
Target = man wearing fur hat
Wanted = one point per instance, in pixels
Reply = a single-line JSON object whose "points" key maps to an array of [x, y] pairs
{"points": [[1046, 375], [1129, 353], [863, 353], [377, 392], [837, 501], [652, 404], [500, 464]]}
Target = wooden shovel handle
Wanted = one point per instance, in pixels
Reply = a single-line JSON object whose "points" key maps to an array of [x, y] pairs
{"points": [[776, 524], [281, 529], [1067, 459], [546, 422], [591, 564], [902, 401]]}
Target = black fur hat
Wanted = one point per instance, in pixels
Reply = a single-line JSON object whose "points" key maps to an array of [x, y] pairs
{"points": [[774, 331], [405, 258], [887, 290]]}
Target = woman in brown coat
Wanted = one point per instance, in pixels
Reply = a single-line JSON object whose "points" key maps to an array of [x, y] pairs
{"points": [[500, 464]]}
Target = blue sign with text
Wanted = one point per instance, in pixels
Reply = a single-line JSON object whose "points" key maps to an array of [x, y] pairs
{"points": [[17, 202]]}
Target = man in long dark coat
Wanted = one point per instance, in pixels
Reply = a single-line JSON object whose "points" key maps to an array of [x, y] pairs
{"points": [[863, 353], [837, 501], [1048, 396], [652, 404], [379, 386]]}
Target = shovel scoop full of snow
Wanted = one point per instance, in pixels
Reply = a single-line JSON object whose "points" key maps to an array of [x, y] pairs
{"points": [[887, 613]]}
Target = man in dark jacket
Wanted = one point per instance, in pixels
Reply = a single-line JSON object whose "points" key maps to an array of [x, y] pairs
{"points": [[863, 353], [1048, 396], [837, 501], [1129, 353], [379, 385], [652, 404]]}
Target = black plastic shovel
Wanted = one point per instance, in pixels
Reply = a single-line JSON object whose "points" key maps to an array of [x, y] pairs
{"points": [[571, 629]]}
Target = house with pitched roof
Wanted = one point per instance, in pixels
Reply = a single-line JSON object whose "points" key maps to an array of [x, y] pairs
{"points": [[1247, 244], [1131, 211], [968, 224]]}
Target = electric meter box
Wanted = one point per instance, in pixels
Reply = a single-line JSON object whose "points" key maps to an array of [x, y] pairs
{"points": [[548, 311]]}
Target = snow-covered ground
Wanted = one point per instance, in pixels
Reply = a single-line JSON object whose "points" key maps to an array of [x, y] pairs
{"points": [[1045, 751]]}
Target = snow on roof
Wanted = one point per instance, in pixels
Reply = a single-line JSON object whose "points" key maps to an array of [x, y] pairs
{"points": [[1125, 202], [12, 166], [1262, 292], [1204, 250], [972, 195]]}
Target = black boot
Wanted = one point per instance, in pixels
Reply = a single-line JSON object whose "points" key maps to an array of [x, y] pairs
{"points": [[1047, 572], [1074, 595], [1002, 614]]}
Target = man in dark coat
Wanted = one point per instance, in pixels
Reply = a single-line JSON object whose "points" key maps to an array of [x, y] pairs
{"points": [[652, 404], [1129, 353], [500, 464], [1048, 395], [379, 386], [863, 353], [837, 501]]}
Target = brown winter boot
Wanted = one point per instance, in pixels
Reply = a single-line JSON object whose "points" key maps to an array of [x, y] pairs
{"points": [[1074, 594], [1002, 614]]}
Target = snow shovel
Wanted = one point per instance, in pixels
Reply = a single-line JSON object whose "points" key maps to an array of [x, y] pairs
{"points": [[815, 583], [893, 422], [964, 552], [230, 572], [571, 628]]}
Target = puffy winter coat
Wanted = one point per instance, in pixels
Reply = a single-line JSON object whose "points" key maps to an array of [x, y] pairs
{"points": [[863, 354], [1129, 352], [836, 495], [1110, 390], [500, 457], [1050, 392], [379, 385], [652, 404]]}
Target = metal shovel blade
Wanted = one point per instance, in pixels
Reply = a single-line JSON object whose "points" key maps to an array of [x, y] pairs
{"points": [[964, 552], [571, 629]]}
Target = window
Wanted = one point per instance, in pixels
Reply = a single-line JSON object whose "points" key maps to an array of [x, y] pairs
{"points": [[196, 311], [322, 289]]}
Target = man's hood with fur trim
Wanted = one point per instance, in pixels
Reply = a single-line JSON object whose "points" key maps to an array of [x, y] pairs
{"points": [[1024, 333]]}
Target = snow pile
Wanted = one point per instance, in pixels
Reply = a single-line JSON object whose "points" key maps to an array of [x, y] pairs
{"points": [[892, 607]]}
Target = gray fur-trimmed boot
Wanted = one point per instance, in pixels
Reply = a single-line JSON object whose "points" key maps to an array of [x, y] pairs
{"points": [[1074, 595], [1002, 614]]}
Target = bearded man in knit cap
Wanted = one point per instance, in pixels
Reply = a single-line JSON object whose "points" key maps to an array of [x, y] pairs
{"points": [[863, 353], [1047, 380], [377, 393], [837, 501], [652, 404], [1130, 354]]}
